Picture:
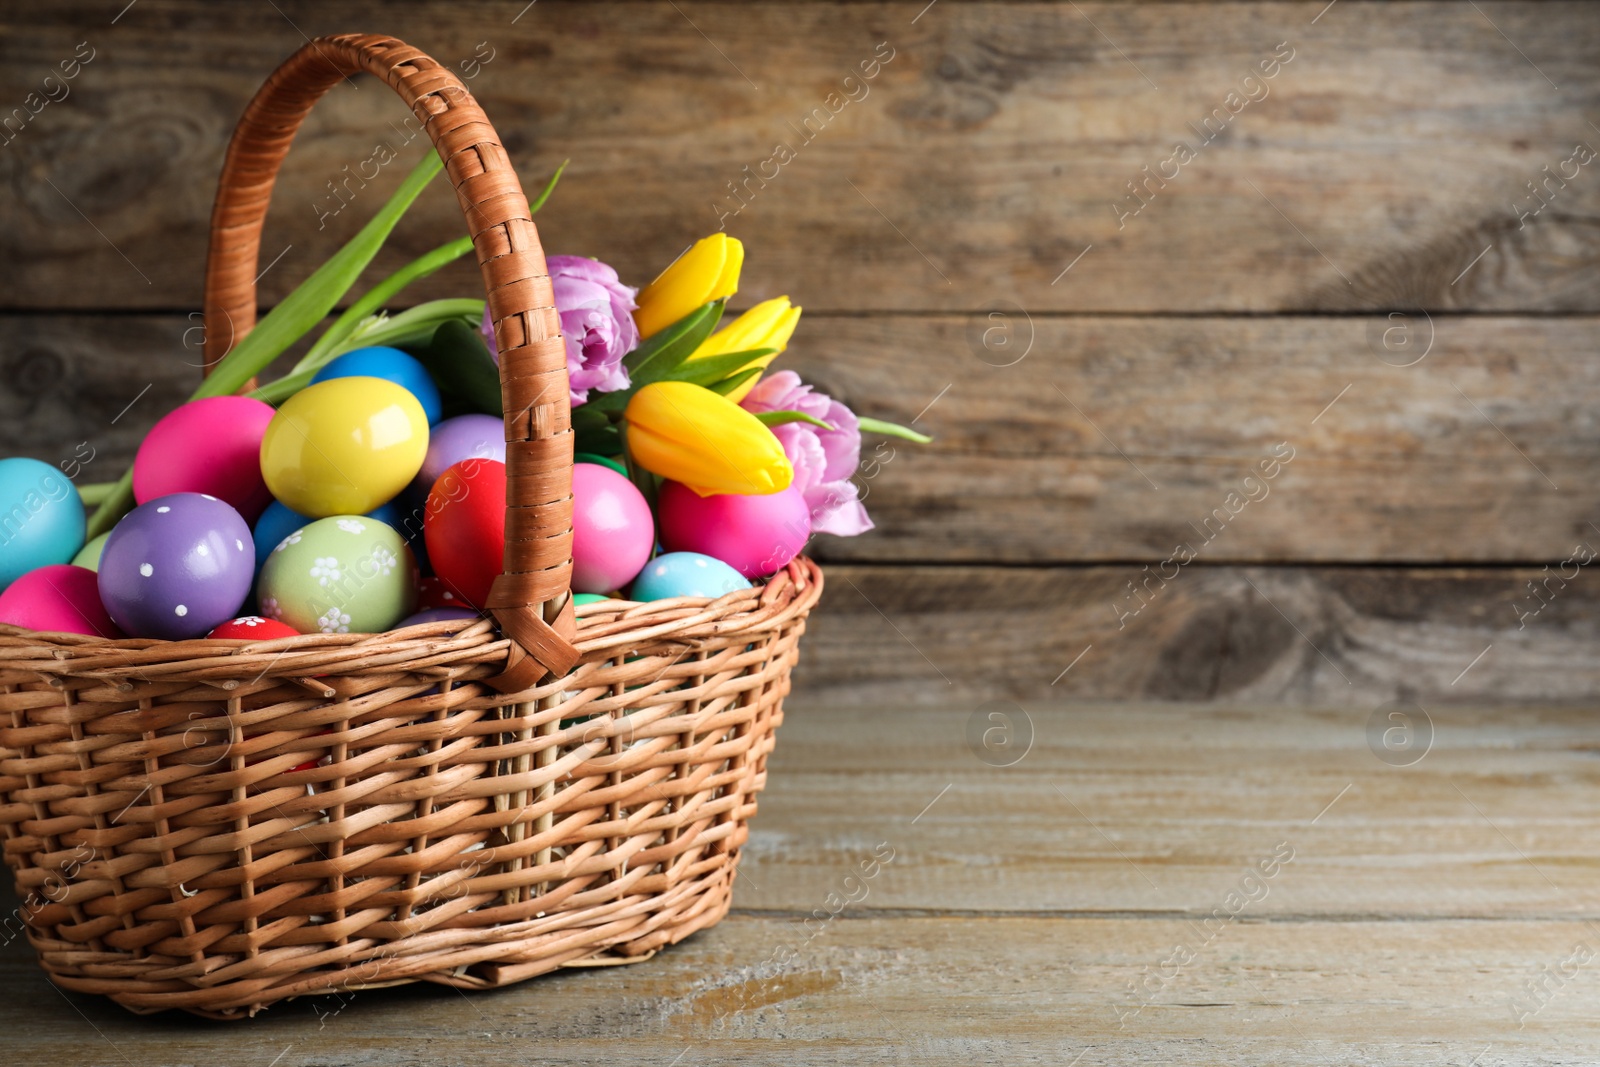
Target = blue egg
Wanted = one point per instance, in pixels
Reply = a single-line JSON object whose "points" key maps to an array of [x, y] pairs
{"points": [[686, 574], [390, 364], [275, 523], [389, 514], [41, 518]]}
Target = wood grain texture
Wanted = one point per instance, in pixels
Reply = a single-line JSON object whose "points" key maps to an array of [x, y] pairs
{"points": [[933, 991], [1113, 439], [1158, 810], [1297, 635], [1383, 159], [1405, 928]]}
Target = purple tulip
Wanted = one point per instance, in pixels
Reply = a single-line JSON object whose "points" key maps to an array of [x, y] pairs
{"points": [[596, 320], [823, 460]]}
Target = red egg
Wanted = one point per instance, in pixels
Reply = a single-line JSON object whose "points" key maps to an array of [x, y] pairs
{"points": [[59, 599], [465, 528], [253, 628], [612, 531], [754, 535]]}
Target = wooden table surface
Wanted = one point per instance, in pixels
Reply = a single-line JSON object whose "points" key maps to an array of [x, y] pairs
{"points": [[1141, 884]]}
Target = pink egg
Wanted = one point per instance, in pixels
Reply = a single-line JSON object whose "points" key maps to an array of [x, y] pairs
{"points": [[59, 599], [612, 532], [754, 535], [210, 446]]}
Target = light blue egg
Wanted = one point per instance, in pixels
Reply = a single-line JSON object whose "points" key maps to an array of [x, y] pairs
{"points": [[390, 364], [41, 518], [686, 574]]}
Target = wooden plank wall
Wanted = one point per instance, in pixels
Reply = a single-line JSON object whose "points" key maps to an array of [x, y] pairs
{"points": [[1257, 338]]}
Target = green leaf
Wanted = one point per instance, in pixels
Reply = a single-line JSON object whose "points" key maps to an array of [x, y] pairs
{"points": [[374, 299], [460, 364], [648, 484], [779, 418], [602, 441], [116, 504], [587, 416], [414, 325], [890, 429], [708, 369], [687, 333], [549, 188], [276, 392], [728, 385], [317, 295], [92, 493]]}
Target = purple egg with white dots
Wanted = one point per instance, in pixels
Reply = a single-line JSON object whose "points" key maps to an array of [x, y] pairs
{"points": [[177, 566]]}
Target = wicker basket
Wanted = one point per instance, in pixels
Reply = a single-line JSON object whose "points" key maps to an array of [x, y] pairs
{"points": [[219, 825]]}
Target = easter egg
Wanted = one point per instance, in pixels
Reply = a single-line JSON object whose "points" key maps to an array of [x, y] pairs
{"points": [[390, 364], [89, 555], [344, 446], [341, 574], [686, 574], [580, 599], [465, 527], [41, 517], [59, 599], [604, 461], [437, 615], [755, 535], [463, 437], [176, 566], [213, 446], [252, 628], [612, 531]]}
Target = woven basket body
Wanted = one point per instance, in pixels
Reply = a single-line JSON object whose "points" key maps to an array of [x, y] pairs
{"points": [[215, 826]]}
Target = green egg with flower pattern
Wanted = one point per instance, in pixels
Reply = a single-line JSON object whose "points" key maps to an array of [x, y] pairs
{"points": [[342, 574]]}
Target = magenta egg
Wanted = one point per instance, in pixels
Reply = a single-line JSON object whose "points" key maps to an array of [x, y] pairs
{"points": [[177, 566], [210, 446], [60, 599], [612, 531], [754, 535]]}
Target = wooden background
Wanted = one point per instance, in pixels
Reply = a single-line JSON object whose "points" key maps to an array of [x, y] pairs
{"points": [[1353, 268]]}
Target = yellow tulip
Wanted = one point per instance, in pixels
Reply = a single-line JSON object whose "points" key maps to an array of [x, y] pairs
{"points": [[769, 324], [712, 445], [708, 271]]}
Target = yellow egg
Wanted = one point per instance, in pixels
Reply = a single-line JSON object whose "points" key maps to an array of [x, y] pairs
{"points": [[344, 446]]}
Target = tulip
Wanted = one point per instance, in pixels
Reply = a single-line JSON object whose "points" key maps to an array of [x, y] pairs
{"points": [[769, 324], [708, 271], [689, 434]]}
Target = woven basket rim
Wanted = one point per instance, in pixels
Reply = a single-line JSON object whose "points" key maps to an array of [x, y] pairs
{"points": [[604, 627]]}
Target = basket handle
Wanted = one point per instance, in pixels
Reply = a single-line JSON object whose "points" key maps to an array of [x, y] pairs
{"points": [[530, 599]]}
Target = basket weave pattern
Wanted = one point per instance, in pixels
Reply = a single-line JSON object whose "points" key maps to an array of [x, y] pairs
{"points": [[218, 825]]}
